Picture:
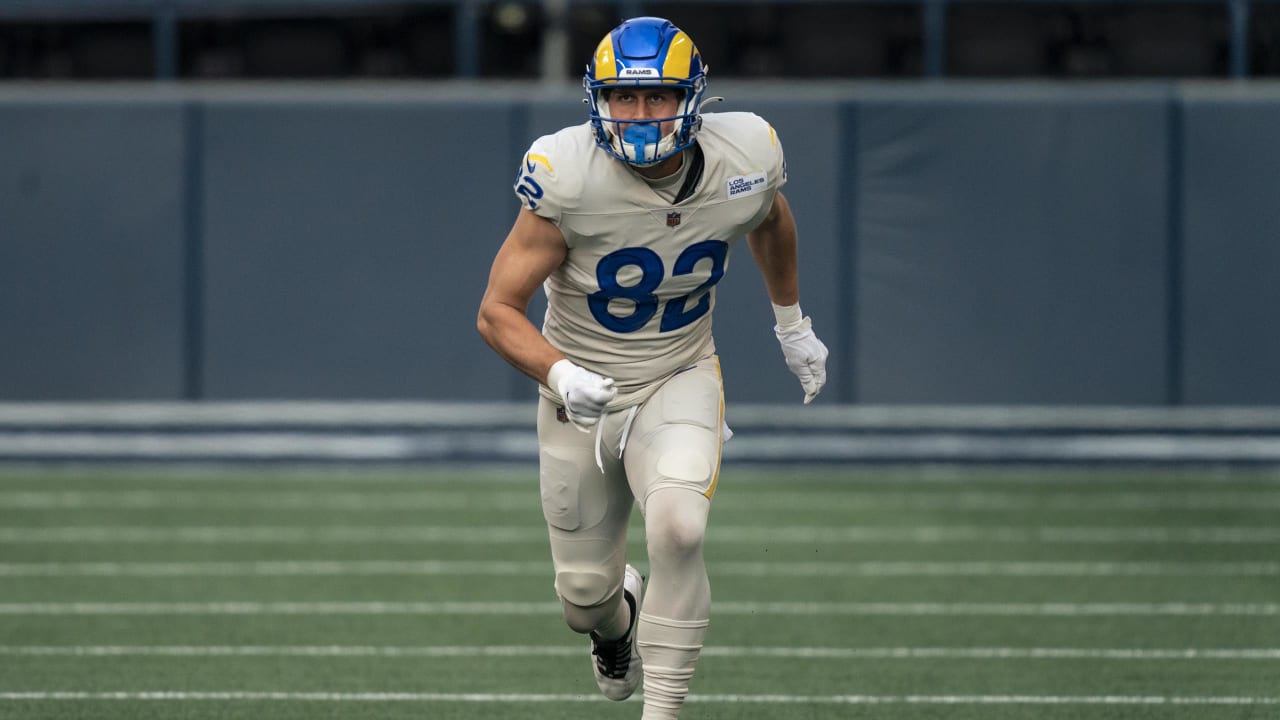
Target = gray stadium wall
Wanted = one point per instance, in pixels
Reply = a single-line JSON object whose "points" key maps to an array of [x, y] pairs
{"points": [[961, 243]]}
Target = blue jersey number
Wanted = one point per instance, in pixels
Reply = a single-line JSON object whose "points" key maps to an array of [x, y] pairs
{"points": [[526, 186], [529, 189], [676, 314]]}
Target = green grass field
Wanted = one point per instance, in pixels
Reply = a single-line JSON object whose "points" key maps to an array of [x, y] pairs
{"points": [[903, 593]]}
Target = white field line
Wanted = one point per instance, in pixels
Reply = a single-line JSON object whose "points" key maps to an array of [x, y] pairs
{"points": [[250, 534], [366, 608], [353, 501], [526, 651], [815, 501], [477, 476], [329, 568], [383, 697], [519, 534]]}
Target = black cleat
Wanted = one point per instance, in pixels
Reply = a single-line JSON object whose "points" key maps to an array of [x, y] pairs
{"points": [[617, 662]]}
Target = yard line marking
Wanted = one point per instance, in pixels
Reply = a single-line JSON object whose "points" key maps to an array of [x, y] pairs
{"points": [[520, 651], [997, 569], [250, 534], [1031, 498], [997, 534], [272, 568], [474, 475], [515, 534], [352, 501], [1049, 609], [695, 698], [499, 568], [853, 500]]}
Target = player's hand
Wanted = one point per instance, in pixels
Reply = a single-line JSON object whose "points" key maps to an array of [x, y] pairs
{"points": [[585, 394], [806, 356]]}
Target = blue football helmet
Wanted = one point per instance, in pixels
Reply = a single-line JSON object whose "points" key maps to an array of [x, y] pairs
{"points": [[645, 52]]}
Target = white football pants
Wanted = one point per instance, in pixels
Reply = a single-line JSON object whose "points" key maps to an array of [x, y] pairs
{"points": [[666, 456]]}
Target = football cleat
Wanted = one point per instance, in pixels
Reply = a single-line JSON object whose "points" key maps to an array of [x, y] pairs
{"points": [[617, 662]]}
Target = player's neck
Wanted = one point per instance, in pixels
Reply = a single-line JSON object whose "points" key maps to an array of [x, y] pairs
{"points": [[666, 168]]}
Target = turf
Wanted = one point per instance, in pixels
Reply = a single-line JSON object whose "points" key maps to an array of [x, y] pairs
{"points": [[906, 593]]}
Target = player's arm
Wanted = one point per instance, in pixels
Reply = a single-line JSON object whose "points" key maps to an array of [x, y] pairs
{"points": [[533, 249], [773, 246]]}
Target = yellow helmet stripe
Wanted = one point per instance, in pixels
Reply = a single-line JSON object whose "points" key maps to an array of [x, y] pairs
{"points": [[605, 67], [679, 57]]}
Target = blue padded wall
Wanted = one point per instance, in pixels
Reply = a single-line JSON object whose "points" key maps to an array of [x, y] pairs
{"points": [[91, 248], [960, 243], [1011, 246], [1231, 271], [346, 247]]}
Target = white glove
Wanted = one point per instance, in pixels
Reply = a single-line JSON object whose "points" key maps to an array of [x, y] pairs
{"points": [[806, 356], [585, 393]]}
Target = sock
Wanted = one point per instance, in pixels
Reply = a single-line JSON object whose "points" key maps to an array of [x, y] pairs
{"points": [[669, 649]]}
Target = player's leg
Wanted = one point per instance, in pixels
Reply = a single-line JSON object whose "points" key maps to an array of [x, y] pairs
{"points": [[673, 461], [587, 512]]}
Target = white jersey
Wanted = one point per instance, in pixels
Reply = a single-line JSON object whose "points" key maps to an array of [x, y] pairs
{"points": [[633, 299]]}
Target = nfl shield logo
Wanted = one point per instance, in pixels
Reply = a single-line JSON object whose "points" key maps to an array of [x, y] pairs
{"points": [[673, 219]]}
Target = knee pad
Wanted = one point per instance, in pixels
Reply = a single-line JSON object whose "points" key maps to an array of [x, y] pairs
{"points": [[684, 467], [582, 588], [583, 595]]}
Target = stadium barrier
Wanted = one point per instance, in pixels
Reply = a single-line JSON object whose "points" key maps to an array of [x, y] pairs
{"points": [[405, 433]]}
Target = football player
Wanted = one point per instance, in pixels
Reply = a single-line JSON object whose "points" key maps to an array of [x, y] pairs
{"points": [[627, 222]]}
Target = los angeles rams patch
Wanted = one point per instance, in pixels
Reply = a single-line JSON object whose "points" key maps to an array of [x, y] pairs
{"points": [[744, 185]]}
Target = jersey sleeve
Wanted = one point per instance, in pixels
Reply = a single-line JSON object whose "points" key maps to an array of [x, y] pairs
{"points": [[536, 183], [777, 159], [759, 142]]}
